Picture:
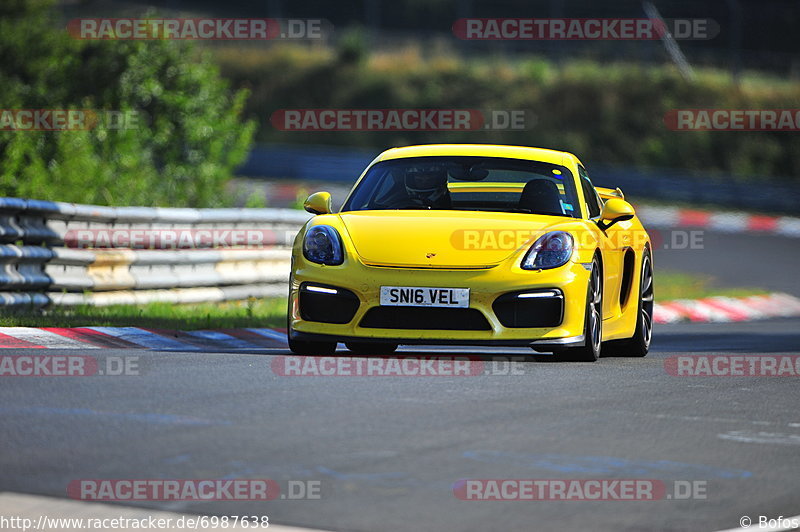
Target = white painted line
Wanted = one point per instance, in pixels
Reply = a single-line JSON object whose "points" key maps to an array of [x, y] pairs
{"points": [[788, 226], [222, 340], [659, 216], [700, 310], [46, 338], [145, 338], [37, 507], [663, 313], [767, 305], [778, 527], [270, 333], [723, 221], [722, 309], [789, 302], [740, 305], [728, 222], [748, 436], [712, 309], [732, 309]]}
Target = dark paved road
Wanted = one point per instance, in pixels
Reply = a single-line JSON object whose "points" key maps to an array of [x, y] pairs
{"points": [[388, 449]]}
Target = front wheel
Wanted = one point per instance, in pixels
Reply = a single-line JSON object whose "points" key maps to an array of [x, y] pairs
{"points": [[593, 328], [639, 344]]}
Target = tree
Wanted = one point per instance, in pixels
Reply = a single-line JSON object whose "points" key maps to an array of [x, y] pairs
{"points": [[181, 139]]}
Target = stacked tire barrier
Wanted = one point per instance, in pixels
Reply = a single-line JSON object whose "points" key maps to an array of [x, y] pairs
{"points": [[54, 253]]}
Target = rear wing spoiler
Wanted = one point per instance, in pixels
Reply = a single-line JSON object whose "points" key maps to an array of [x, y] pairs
{"points": [[608, 193]]}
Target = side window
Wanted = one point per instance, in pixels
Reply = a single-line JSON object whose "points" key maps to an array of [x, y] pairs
{"points": [[593, 203]]}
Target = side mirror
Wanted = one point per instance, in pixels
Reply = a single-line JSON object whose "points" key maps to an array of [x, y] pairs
{"points": [[318, 203], [615, 210]]}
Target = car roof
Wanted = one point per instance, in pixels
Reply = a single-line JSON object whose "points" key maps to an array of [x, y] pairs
{"points": [[480, 150]]}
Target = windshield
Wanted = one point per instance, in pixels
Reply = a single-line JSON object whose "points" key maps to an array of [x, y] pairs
{"points": [[467, 183]]}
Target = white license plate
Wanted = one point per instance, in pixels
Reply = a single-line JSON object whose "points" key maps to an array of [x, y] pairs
{"points": [[415, 296]]}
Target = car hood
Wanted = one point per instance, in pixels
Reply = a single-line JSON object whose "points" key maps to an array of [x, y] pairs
{"points": [[443, 239]]}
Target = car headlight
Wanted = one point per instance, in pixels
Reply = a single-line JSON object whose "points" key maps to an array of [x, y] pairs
{"points": [[550, 250], [323, 246]]}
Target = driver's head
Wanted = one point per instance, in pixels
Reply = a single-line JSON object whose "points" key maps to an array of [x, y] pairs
{"points": [[427, 184]]}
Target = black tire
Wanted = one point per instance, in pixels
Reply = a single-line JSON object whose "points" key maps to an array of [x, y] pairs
{"points": [[371, 348], [593, 323], [304, 347], [639, 344]]}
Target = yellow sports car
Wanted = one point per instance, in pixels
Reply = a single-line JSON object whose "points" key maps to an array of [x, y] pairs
{"points": [[476, 245]]}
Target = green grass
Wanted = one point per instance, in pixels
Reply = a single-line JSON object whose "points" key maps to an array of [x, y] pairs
{"points": [[272, 312], [233, 314], [674, 285]]}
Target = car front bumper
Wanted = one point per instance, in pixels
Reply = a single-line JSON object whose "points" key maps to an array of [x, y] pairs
{"points": [[486, 286]]}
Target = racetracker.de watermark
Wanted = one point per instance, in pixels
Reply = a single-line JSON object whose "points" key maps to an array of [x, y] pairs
{"points": [[511, 239], [177, 238], [67, 366], [733, 365], [733, 119], [533, 489], [67, 119], [401, 119], [156, 489], [583, 29], [396, 366], [259, 29]]}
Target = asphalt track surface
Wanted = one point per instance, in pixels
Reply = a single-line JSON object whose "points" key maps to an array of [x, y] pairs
{"points": [[387, 450]]}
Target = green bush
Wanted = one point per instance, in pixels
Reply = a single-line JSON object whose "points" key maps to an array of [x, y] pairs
{"points": [[183, 147], [604, 113]]}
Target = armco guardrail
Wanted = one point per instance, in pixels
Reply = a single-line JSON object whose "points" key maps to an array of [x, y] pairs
{"points": [[49, 253]]}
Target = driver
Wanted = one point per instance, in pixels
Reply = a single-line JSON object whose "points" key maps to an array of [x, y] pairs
{"points": [[428, 186]]}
